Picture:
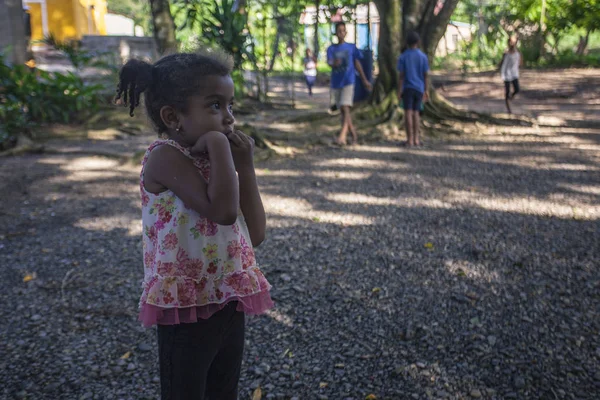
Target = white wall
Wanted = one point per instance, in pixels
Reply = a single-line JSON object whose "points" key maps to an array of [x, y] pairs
{"points": [[118, 25], [451, 41]]}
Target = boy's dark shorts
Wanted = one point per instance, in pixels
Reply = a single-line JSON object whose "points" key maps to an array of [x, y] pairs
{"points": [[412, 99]]}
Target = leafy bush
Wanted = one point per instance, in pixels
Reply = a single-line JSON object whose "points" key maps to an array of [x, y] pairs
{"points": [[214, 23], [475, 58], [239, 83], [29, 97], [471, 57], [12, 119], [568, 59]]}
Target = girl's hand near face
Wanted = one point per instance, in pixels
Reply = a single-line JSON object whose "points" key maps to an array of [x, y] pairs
{"points": [[242, 150]]}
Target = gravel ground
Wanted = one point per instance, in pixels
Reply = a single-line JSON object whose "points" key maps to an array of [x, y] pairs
{"points": [[466, 269]]}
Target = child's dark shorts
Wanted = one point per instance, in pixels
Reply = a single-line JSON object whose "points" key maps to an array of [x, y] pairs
{"points": [[202, 360], [412, 99]]}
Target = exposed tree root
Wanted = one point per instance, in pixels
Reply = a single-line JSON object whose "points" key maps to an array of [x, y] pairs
{"points": [[313, 116], [24, 145], [265, 148], [385, 118], [440, 109], [380, 121]]}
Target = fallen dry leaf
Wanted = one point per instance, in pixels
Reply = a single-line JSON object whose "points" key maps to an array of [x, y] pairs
{"points": [[257, 395], [29, 277], [126, 356]]}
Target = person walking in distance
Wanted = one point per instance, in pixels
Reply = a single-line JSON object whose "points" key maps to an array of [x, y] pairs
{"points": [[412, 86], [343, 58], [310, 71], [509, 71]]}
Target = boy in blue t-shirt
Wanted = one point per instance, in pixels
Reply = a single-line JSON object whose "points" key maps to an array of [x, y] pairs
{"points": [[343, 60], [412, 86]]}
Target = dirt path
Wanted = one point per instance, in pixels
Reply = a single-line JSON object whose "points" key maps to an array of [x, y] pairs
{"points": [[570, 96], [562, 96], [466, 269]]}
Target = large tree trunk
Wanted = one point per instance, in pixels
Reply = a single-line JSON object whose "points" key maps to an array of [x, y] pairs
{"points": [[429, 18], [583, 43], [388, 49], [12, 30], [398, 17], [279, 21], [164, 26]]}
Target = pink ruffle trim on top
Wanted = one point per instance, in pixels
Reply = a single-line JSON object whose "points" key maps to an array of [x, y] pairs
{"points": [[254, 304]]}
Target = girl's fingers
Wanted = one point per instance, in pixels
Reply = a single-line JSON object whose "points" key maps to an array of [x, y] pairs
{"points": [[235, 138], [242, 136]]}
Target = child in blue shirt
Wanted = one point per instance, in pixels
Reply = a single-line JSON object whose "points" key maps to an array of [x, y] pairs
{"points": [[343, 60], [412, 86]]}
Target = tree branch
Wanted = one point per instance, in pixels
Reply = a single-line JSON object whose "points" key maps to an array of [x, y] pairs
{"points": [[445, 13], [427, 14], [435, 29]]}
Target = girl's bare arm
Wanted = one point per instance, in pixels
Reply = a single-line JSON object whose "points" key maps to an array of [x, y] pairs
{"points": [[242, 148], [252, 207], [218, 200]]}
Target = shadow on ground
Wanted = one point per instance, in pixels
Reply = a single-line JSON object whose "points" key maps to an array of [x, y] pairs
{"points": [[468, 267]]}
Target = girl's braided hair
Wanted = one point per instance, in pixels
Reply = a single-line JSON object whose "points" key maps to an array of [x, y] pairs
{"points": [[171, 81]]}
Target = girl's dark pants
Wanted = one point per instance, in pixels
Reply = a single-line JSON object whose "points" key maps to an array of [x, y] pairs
{"points": [[515, 84], [202, 360], [310, 82]]}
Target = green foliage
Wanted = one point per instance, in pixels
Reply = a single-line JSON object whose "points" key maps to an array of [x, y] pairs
{"points": [[570, 40], [29, 97], [12, 121], [226, 24], [470, 57], [210, 23], [569, 59], [584, 14], [277, 31], [545, 38], [239, 83]]}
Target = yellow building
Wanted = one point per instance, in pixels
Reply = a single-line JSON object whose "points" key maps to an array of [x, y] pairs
{"points": [[66, 19]]}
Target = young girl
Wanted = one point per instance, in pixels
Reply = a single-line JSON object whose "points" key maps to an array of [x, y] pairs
{"points": [[310, 70], [200, 274], [509, 70]]}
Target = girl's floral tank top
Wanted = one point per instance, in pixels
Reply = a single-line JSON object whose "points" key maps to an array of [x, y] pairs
{"points": [[192, 266]]}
